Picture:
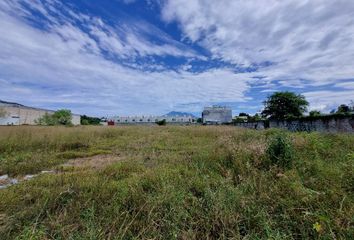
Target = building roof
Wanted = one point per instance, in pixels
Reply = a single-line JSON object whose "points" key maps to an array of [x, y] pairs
{"points": [[216, 108], [13, 104], [10, 104]]}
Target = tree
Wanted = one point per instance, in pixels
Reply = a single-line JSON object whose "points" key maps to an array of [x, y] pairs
{"points": [[343, 108], [161, 122], [63, 117], [242, 114], [314, 113], [60, 117], [254, 118], [282, 105], [46, 120], [86, 120]]}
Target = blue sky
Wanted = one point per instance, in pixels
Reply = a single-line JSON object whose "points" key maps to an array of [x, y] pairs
{"points": [[133, 57]]}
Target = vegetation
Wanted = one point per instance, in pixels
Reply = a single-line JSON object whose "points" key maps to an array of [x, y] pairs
{"points": [[343, 108], [176, 182], [242, 114], [161, 122], [60, 117], [86, 120], [244, 117], [314, 113], [283, 105], [280, 151]]}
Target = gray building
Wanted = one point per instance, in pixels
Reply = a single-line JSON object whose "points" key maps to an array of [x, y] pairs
{"points": [[18, 114], [217, 115]]}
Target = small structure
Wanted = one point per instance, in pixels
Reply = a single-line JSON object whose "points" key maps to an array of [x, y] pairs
{"points": [[110, 123], [18, 114], [217, 115]]}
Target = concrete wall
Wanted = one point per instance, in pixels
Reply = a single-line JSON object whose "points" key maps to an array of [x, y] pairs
{"points": [[217, 115], [251, 125], [333, 125]]}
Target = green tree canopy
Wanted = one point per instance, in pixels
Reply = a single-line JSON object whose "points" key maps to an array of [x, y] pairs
{"points": [[60, 117], [63, 117], [254, 118], [314, 113], [86, 120], [282, 105], [343, 108]]}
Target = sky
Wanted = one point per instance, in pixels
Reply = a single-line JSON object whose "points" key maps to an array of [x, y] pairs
{"points": [[140, 57]]}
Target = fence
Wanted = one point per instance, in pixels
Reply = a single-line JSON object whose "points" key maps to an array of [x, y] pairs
{"points": [[326, 124]]}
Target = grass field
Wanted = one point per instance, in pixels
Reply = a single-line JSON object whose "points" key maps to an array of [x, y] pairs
{"points": [[192, 182]]}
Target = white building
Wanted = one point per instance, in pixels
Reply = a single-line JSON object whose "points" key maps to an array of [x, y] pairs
{"points": [[217, 115], [17, 114], [152, 119]]}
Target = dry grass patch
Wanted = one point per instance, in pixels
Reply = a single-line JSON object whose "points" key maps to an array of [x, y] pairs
{"points": [[95, 162]]}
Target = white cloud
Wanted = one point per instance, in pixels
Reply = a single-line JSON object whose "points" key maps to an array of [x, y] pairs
{"points": [[65, 66], [306, 40], [346, 85], [82, 61], [328, 100]]}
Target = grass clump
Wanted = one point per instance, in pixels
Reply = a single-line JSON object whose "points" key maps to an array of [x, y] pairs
{"points": [[280, 151]]}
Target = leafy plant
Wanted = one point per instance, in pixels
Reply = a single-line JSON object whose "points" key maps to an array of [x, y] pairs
{"points": [[280, 151]]}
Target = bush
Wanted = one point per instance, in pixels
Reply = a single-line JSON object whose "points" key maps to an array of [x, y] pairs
{"points": [[60, 117], [161, 123], [86, 120], [280, 151]]}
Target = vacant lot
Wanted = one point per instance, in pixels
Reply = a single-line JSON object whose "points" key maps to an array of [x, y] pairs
{"points": [[176, 183]]}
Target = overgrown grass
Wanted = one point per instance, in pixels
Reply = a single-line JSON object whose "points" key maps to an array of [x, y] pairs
{"points": [[178, 183]]}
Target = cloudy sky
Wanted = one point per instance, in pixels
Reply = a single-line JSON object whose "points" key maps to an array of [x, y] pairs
{"points": [[128, 57]]}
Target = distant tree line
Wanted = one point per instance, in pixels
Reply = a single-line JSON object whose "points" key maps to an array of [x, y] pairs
{"points": [[289, 105], [86, 120]]}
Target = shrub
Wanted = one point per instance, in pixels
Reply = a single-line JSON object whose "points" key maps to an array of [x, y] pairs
{"points": [[314, 113], [161, 123], [280, 151], [60, 117]]}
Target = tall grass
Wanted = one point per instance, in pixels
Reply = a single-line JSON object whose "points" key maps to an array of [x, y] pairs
{"points": [[178, 183]]}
